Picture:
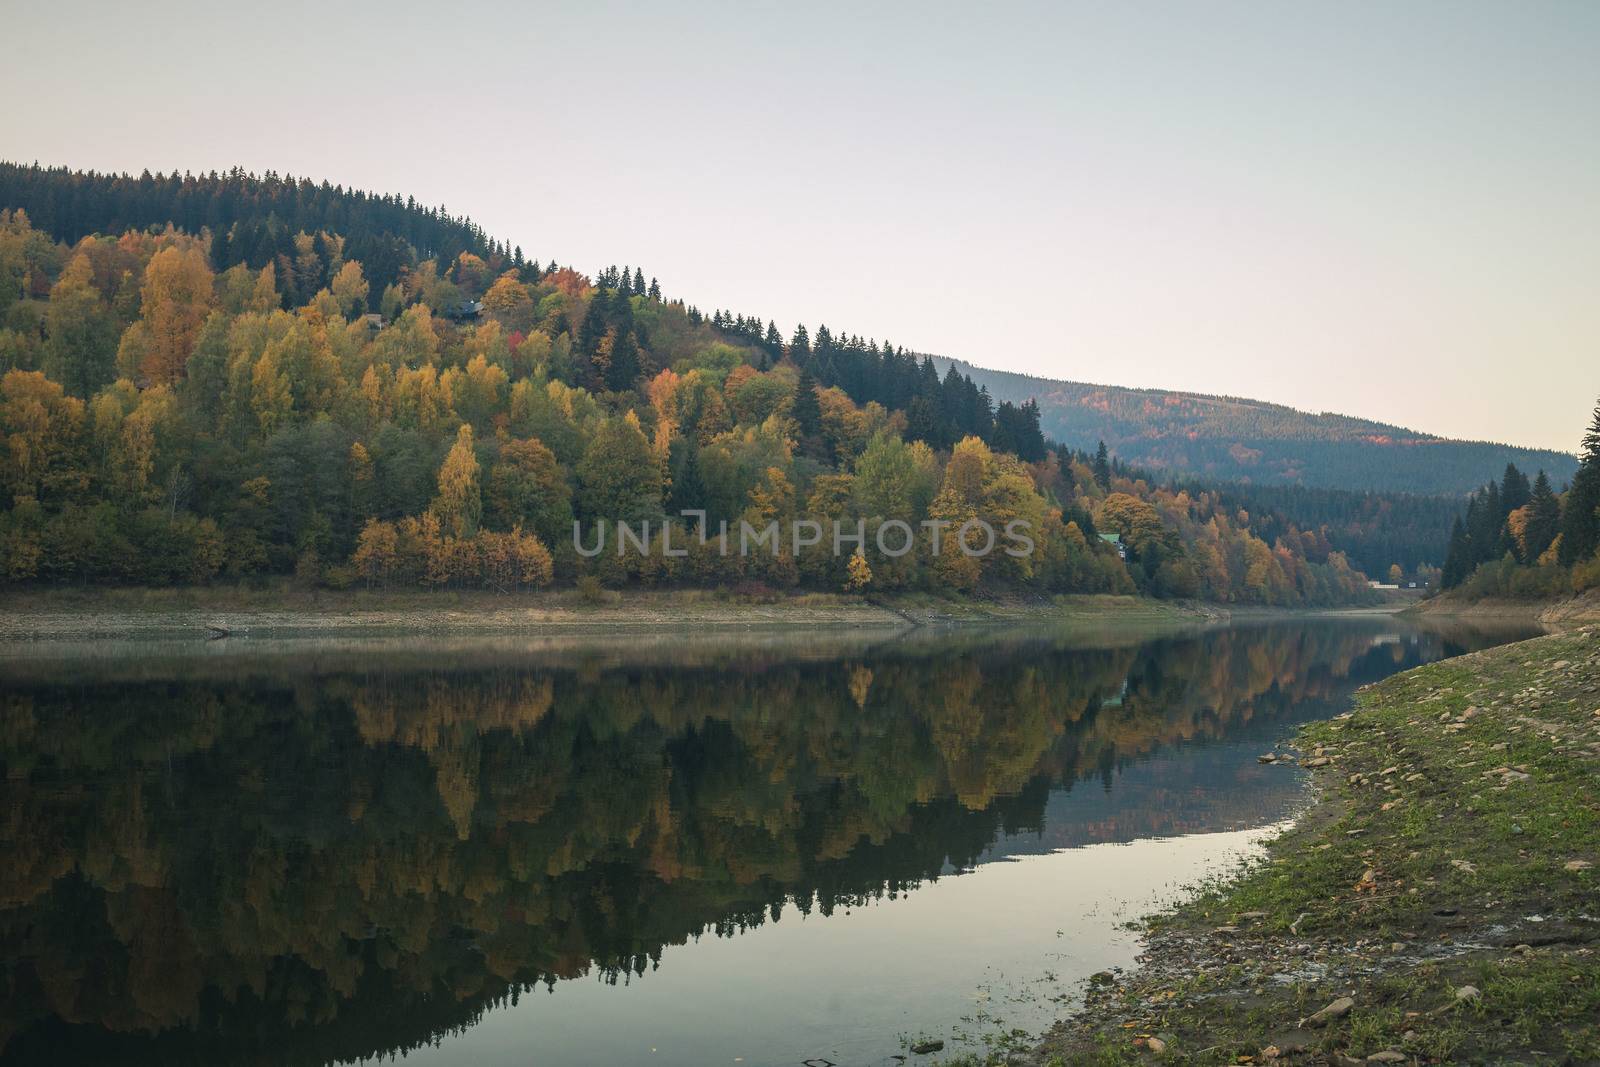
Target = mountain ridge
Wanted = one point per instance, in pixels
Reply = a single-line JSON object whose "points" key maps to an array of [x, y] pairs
{"points": [[1181, 434]]}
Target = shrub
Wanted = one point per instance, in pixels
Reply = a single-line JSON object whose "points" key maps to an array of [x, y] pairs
{"points": [[755, 593], [342, 576], [1586, 576]]}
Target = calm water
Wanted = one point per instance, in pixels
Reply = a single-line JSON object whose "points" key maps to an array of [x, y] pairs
{"points": [[671, 853]]}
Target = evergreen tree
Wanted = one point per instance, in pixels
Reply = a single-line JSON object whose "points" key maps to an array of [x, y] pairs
{"points": [[688, 484], [807, 411], [1589, 450], [800, 345], [1544, 519], [1456, 566], [624, 367], [1578, 518], [1580, 510], [595, 322], [1102, 466], [1485, 521], [922, 422], [1514, 489]]}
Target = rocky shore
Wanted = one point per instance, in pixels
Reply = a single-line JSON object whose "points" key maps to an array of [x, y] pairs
{"points": [[1439, 903]]}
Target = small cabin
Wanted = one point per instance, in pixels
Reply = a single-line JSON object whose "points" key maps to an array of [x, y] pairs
{"points": [[465, 311], [1115, 541]]}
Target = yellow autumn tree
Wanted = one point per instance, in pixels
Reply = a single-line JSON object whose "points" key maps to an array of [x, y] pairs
{"points": [[39, 428], [350, 289], [377, 551], [860, 573], [509, 301], [173, 304], [271, 397], [459, 505]]}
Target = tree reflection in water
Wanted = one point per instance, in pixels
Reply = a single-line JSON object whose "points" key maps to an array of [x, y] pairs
{"points": [[306, 858]]}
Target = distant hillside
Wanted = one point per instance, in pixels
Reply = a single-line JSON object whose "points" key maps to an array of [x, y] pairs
{"points": [[1234, 439]]}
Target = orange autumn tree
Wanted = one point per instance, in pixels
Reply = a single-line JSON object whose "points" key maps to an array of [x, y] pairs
{"points": [[175, 300]]}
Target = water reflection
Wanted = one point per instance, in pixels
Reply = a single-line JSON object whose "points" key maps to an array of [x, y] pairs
{"points": [[317, 855]]}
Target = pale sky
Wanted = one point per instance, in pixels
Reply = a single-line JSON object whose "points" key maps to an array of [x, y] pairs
{"points": [[1382, 209]]}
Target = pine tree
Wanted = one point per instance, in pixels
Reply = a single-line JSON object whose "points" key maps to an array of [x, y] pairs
{"points": [[595, 322], [1102, 466], [800, 345], [624, 366], [1578, 520], [1485, 521], [1514, 489], [1580, 510], [1590, 450], [807, 412], [922, 422], [1456, 566], [1544, 519], [688, 485]]}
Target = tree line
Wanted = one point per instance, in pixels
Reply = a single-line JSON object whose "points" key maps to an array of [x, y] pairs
{"points": [[1523, 539]]}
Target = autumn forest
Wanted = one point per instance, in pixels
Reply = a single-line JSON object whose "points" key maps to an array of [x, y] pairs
{"points": [[228, 378]]}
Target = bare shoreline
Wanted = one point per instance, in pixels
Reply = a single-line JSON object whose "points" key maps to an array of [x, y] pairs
{"points": [[97, 615]]}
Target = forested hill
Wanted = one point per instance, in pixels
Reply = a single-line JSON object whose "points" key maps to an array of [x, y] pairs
{"points": [[1216, 438], [201, 379], [251, 218], [255, 220]]}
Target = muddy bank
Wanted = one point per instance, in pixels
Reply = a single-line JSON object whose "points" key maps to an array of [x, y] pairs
{"points": [[241, 614], [1435, 905], [1578, 610]]}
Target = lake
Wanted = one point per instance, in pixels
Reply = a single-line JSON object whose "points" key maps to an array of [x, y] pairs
{"points": [[699, 849]]}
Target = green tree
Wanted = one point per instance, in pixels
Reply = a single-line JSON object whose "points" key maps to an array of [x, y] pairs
{"points": [[688, 491], [528, 487], [1580, 510], [1544, 518], [807, 414], [80, 351], [894, 479], [619, 478], [1514, 489]]}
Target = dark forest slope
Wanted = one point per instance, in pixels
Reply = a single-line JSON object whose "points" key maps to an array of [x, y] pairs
{"points": [[1234, 439]]}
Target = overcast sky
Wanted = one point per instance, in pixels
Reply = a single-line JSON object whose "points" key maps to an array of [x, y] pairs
{"points": [[1383, 209]]}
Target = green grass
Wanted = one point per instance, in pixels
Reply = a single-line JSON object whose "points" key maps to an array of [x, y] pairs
{"points": [[1428, 836]]}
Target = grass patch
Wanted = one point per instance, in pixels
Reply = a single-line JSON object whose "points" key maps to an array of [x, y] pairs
{"points": [[1455, 843]]}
